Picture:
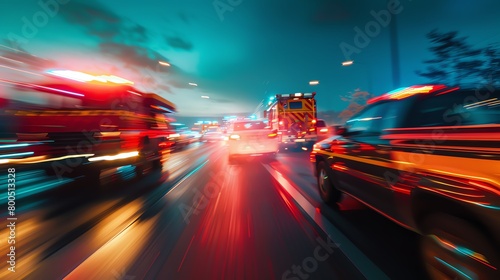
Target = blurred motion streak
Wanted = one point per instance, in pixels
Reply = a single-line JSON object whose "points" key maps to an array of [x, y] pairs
{"points": [[121, 251], [98, 119]]}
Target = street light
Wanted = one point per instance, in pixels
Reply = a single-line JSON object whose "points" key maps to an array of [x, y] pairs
{"points": [[313, 83], [204, 96], [193, 84], [347, 62], [164, 63]]}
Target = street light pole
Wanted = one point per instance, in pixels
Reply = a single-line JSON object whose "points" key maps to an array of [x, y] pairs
{"points": [[394, 52]]}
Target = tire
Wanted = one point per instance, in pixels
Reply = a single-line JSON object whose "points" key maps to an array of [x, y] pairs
{"points": [[145, 161], [92, 177], [157, 164], [443, 261], [327, 190]]}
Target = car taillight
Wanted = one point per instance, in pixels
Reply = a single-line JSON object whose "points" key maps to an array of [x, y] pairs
{"points": [[272, 135], [323, 130], [314, 121], [234, 137]]}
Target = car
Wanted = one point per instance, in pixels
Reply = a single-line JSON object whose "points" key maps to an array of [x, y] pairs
{"points": [[181, 136], [193, 135], [252, 138], [426, 157], [212, 134], [322, 129]]}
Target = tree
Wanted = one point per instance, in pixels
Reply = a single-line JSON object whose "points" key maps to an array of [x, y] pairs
{"points": [[455, 61], [491, 72], [357, 101]]}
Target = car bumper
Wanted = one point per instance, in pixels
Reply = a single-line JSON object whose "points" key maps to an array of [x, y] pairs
{"points": [[252, 148]]}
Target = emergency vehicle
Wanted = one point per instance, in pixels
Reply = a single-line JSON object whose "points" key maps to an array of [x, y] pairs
{"points": [[428, 158], [73, 124], [294, 117]]}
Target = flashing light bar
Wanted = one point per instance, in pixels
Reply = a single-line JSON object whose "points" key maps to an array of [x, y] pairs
{"points": [[84, 77], [295, 95], [406, 92], [409, 91]]}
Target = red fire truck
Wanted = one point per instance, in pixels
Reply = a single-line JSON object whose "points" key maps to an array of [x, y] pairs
{"points": [[294, 116], [74, 124]]}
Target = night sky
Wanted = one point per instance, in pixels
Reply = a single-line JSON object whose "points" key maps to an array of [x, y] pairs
{"points": [[241, 51]]}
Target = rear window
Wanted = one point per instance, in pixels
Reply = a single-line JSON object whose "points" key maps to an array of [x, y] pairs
{"points": [[320, 123], [295, 105], [471, 107], [249, 126]]}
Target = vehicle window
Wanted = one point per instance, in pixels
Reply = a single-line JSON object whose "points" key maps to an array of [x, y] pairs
{"points": [[458, 108], [294, 105], [212, 129], [365, 121], [27, 98], [320, 123], [374, 120], [249, 126]]}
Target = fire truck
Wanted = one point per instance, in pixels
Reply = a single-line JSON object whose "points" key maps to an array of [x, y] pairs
{"points": [[294, 117], [73, 124]]}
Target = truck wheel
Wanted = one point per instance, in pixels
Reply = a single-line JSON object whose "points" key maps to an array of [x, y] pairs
{"points": [[327, 190], [157, 164], [452, 248], [91, 177]]}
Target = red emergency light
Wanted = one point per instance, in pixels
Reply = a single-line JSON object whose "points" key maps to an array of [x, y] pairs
{"points": [[406, 92], [88, 78]]}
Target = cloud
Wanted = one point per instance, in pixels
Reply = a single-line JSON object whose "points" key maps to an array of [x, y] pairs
{"points": [[132, 56], [331, 12], [179, 43], [102, 23]]}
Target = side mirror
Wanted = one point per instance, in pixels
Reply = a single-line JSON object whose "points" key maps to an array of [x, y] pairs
{"points": [[339, 130]]}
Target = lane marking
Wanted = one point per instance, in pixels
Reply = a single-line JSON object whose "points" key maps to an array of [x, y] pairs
{"points": [[357, 258], [133, 219]]}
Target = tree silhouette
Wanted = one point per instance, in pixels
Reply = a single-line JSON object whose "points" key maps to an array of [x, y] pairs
{"points": [[357, 101], [491, 71], [455, 61]]}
